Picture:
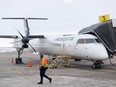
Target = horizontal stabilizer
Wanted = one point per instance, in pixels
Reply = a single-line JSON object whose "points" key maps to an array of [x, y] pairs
{"points": [[9, 36], [28, 18]]}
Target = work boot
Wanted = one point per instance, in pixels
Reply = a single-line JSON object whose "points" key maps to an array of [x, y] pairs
{"points": [[40, 83], [50, 80]]}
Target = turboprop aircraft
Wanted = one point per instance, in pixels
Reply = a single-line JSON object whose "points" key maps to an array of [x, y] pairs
{"points": [[79, 46]]}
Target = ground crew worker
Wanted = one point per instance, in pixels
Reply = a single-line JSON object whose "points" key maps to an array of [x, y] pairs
{"points": [[43, 68]]}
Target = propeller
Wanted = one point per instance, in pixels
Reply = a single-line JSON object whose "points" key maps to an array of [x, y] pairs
{"points": [[25, 39]]}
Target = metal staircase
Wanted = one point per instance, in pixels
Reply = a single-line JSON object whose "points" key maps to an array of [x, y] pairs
{"points": [[60, 59]]}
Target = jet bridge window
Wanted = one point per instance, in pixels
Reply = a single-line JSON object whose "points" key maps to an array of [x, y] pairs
{"points": [[89, 41]]}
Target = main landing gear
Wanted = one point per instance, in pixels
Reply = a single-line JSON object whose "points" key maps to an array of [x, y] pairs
{"points": [[97, 64], [19, 59]]}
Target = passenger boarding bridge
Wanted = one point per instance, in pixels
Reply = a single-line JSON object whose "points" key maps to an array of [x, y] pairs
{"points": [[105, 32]]}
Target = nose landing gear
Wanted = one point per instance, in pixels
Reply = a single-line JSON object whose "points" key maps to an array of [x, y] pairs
{"points": [[97, 65]]}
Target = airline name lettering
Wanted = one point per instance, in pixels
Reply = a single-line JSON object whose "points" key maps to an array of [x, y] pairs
{"points": [[64, 39]]}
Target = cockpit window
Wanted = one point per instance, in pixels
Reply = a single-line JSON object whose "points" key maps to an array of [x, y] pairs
{"points": [[89, 41], [81, 41], [97, 41]]}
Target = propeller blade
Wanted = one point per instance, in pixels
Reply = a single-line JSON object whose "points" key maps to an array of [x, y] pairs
{"points": [[32, 47], [15, 42], [20, 34]]}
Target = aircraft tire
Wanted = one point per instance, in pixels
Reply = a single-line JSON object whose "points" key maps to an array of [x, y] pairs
{"points": [[18, 60], [96, 65]]}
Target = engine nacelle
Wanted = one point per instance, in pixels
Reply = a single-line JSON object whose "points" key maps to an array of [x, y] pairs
{"points": [[25, 46], [25, 40]]}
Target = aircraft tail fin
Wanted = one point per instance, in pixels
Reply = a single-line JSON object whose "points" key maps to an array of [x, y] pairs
{"points": [[27, 30]]}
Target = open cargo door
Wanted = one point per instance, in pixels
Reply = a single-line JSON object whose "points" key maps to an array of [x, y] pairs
{"points": [[105, 32]]}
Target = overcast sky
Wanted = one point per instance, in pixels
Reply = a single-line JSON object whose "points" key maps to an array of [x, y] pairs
{"points": [[64, 16]]}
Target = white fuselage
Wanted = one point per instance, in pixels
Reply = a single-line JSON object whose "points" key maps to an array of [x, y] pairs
{"points": [[78, 46]]}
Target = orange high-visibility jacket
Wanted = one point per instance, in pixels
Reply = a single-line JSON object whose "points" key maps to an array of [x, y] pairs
{"points": [[43, 62]]}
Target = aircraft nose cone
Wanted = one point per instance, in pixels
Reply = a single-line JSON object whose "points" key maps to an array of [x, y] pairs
{"points": [[102, 53]]}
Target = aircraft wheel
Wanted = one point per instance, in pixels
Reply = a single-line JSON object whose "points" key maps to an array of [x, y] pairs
{"points": [[96, 65], [18, 60]]}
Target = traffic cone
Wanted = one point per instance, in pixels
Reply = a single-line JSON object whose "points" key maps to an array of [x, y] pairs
{"points": [[12, 60], [30, 63]]}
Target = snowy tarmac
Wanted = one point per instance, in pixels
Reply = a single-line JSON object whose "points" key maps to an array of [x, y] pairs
{"points": [[77, 75]]}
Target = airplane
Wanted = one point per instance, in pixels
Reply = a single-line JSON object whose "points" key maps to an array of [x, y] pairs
{"points": [[78, 46]]}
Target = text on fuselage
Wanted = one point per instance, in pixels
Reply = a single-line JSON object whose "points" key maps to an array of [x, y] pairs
{"points": [[64, 39]]}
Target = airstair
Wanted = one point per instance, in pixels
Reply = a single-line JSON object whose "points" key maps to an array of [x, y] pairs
{"points": [[59, 59]]}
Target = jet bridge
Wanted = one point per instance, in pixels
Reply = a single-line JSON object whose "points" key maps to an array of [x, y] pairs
{"points": [[105, 32]]}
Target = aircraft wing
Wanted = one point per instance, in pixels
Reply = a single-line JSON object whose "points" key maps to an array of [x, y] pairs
{"points": [[9, 36], [36, 36], [17, 41], [16, 37]]}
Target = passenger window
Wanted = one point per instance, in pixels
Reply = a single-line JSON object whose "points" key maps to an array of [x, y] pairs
{"points": [[89, 41], [80, 41]]}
